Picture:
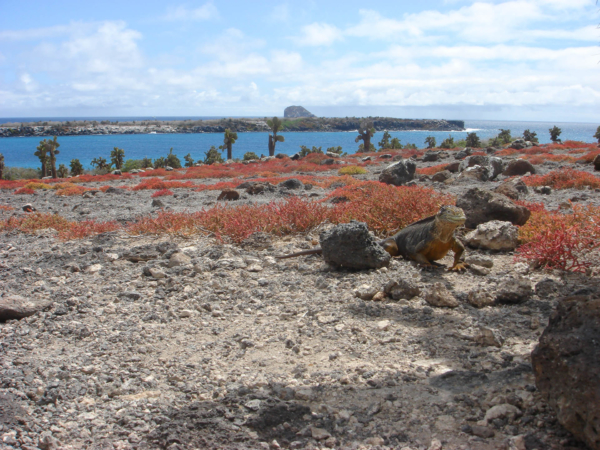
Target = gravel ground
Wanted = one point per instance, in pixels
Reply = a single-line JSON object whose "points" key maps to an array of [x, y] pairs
{"points": [[202, 345]]}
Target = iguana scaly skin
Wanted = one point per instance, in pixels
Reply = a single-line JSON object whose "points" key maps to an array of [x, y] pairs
{"points": [[424, 241]]}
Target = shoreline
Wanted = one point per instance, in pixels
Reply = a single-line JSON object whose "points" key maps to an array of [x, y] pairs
{"points": [[219, 126]]}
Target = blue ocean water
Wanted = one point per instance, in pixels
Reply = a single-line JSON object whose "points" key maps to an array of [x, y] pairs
{"points": [[18, 151]]}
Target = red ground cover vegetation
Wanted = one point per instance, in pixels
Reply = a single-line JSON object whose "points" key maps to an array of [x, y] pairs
{"points": [[162, 193], [564, 179], [66, 229], [431, 170], [24, 191], [386, 208], [383, 207], [554, 240], [157, 183], [6, 208]]}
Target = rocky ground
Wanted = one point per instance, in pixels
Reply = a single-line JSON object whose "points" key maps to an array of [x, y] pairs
{"points": [[187, 343]]}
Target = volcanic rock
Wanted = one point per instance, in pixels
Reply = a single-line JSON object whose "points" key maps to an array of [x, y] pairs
{"points": [[566, 364], [17, 307], [229, 194], [518, 167], [494, 235], [481, 206], [350, 245], [398, 173]]}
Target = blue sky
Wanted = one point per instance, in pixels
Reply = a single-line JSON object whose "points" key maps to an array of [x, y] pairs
{"points": [[503, 60]]}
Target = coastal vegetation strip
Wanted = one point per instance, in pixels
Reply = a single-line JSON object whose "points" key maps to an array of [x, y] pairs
{"points": [[82, 128]]}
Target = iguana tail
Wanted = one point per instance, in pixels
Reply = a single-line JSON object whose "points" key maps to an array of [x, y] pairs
{"points": [[313, 251]]}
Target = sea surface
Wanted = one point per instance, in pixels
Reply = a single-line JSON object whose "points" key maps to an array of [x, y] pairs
{"points": [[18, 151]]}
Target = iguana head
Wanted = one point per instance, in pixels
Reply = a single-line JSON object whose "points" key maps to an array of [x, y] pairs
{"points": [[451, 214]]}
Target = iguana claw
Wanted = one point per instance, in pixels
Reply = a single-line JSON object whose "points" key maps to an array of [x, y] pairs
{"points": [[458, 267]]}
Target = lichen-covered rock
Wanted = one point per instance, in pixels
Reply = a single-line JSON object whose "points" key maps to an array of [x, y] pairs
{"points": [[494, 235], [351, 245], [481, 206], [18, 307], [492, 164], [566, 364], [398, 173], [480, 173]]}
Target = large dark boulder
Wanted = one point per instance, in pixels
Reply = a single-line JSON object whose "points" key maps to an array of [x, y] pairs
{"points": [[398, 173], [292, 183], [566, 364], [17, 307], [350, 245], [518, 167], [481, 206], [597, 162]]}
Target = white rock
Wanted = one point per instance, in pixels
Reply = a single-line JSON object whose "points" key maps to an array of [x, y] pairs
{"points": [[157, 273], [94, 268], [383, 325], [494, 235]]}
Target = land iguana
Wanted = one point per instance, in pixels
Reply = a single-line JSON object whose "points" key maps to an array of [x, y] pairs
{"points": [[424, 241]]}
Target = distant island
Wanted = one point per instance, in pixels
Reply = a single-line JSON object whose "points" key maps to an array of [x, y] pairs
{"points": [[302, 121]]}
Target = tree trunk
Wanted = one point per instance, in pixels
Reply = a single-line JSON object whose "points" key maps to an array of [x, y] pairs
{"points": [[229, 152], [367, 142], [53, 163], [271, 145]]}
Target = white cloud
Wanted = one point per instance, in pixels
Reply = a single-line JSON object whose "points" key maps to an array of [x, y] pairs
{"points": [[478, 22], [318, 34], [204, 12]]}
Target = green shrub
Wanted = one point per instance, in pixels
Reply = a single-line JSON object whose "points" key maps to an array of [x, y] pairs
{"points": [[132, 164], [250, 156], [213, 156]]}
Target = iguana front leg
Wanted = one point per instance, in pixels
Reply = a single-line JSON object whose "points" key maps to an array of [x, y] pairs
{"points": [[458, 248]]}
